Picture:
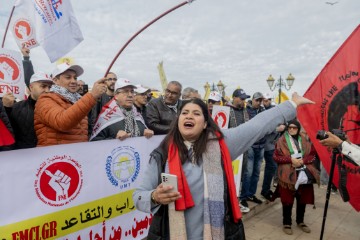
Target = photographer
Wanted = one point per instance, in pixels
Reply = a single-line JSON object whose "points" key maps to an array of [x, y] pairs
{"points": [[348, 149]]}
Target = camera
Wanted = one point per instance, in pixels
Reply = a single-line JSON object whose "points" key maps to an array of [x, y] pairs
{"points": [[321, 134]]}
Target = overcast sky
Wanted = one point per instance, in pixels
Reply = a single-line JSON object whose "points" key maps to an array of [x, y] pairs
{"points": [[238, 42]]}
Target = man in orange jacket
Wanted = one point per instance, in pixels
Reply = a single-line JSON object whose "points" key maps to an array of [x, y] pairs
{"points": [[61, 115]]}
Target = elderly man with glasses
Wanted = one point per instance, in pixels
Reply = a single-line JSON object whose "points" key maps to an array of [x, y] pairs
{"points": [[162, 111], [120, 119]]}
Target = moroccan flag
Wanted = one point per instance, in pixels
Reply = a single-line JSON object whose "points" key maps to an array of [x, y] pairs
{"points": [[336, 93]]}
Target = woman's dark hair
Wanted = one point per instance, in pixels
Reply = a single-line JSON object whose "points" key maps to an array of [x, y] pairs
{"points": [[200, 145]]}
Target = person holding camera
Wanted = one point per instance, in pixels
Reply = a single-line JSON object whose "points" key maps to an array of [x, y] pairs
{"points": [[293, 154], [345, 147]]}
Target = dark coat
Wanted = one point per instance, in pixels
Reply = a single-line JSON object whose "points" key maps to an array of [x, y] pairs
{"points": [[95, 111], [22, 121], [159, 116], [159, 228]]}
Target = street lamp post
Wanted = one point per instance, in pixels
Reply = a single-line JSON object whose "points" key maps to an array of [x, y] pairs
{"points": [[280, 83], [221, 87]]}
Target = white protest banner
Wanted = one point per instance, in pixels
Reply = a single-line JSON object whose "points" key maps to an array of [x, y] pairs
{"points": [[11, 73], [23, 24], [57, 29], [221, 116], [74, 191]]}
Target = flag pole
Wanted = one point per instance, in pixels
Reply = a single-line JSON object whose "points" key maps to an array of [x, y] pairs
{"points": [[7, 27], [141, 30]]}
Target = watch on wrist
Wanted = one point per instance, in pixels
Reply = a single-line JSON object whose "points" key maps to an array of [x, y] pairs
{"points": [[153, 198]]}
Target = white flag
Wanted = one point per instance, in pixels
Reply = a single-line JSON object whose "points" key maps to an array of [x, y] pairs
{"points": [[57, 29], [23, 24], [11, 73]]}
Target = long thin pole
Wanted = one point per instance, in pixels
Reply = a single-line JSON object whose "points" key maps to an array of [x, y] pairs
{"points": [[7, 27], [331, 176], [141, 30], [280, 86]]}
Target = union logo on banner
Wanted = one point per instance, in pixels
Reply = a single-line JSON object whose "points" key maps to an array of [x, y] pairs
{"points": [[221, 114], [9, 69], [11, 73], [24, 33], [23, 30], [58, 180], [123, 166]]}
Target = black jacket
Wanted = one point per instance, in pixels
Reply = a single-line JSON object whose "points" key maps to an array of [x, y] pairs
{"points": [[22, 121], [95, 111], [28, 70], [159, 228], [159, 116]]}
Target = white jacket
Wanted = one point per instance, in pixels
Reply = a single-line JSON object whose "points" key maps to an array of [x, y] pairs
{"points": [[352, 151]]}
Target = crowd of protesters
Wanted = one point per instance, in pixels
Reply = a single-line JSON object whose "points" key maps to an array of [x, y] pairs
{"points": [[61, 109]]}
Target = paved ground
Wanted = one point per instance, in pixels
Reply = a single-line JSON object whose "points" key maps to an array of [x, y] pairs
{"points": [[264, 221]]}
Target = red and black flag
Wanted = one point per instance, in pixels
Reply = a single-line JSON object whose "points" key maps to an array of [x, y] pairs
{"points": [[336, 93]]}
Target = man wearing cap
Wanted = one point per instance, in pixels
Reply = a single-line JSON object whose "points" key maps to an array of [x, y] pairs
{"points": [[255, 156], [267, 101], [214, 99], [61, 115], [238, 116], [22, 113], [141, 99], [238, 113], [119, 118], [162, 111]]}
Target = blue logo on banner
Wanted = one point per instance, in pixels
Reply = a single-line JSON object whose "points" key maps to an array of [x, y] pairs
{"points": [[123, 166]]}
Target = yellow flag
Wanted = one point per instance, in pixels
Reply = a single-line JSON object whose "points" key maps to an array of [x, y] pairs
{"points": [[284, 97], [207, 91], [163, 80], [68, 60]]}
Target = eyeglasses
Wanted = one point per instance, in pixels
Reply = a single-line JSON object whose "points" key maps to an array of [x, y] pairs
{"points": [[111, 79], [211, 101], [168, 92], [127, 92], [291, 127]]}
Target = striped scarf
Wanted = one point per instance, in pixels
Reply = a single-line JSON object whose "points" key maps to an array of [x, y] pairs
{"points": [[214, 206], [71, 97]]}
